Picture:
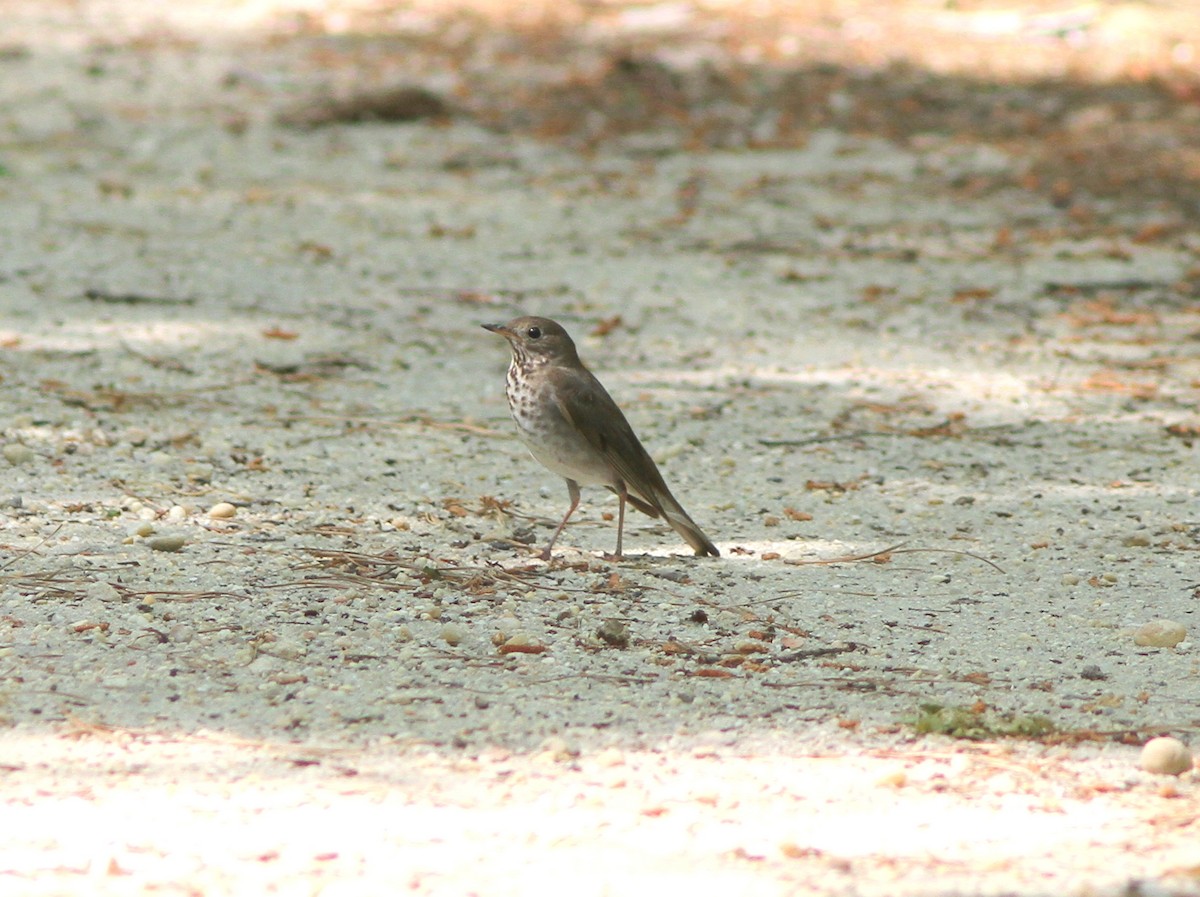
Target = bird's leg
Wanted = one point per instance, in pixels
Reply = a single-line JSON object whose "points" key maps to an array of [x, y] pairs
{"points": [[622, 492], [573, 491]]}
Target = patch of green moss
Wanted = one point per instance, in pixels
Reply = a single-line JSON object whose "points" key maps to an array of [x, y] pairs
{"points": [[977, 724]]}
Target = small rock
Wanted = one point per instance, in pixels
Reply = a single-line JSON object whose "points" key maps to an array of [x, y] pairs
{"points": [[144, 529], [177, 513], [166, 543], [521, 643], [1093, 672], [199, 473], [1159, 634], [453, 634], [614, 632], [222, 510], [750, 646], [160, 459], [102, 591], [289, 650], [17, 454], [1138, 541], [1166, 756], [557, 749], [671, 575], [610, 757]]}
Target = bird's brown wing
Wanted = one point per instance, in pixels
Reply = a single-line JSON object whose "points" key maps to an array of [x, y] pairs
{"points": [[586, 404]]}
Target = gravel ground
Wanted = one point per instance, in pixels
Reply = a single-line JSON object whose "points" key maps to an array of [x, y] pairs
{"points": [[270, 621]]}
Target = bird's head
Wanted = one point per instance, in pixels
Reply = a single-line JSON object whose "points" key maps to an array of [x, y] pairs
{"points": [[538, 340]]}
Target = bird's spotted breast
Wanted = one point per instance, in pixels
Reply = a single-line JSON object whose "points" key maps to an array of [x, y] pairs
{"points": [[550, 438]]}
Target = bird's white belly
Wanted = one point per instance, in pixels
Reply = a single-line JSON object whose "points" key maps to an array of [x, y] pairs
{"points": [[568, 461], [552, 441]]}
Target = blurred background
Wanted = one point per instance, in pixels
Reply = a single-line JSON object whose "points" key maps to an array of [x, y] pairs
{"points": [[1100, 99]]}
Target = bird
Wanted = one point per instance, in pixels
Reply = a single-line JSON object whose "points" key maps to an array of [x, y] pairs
{"points": [[572, 426]]}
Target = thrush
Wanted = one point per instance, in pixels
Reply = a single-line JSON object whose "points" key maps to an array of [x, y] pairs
{"points": [[572, 426]]}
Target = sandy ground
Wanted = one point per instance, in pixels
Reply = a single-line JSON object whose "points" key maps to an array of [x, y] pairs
{"points": [[356, 678]]}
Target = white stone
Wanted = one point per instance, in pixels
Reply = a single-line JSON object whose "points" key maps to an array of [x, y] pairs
{"points": [[1166, 756]]}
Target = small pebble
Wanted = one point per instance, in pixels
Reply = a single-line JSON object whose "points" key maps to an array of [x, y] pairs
{"points": [[1159, 634], [614, 632], [521, 643], [199, 473], [177, 513], [453, 634], [610, 757], [102, 591], [144, 529], [289, 650], [222, 510], [160, 459], [1093, 672], [1166, 756], [557, 749], [166, 543], [17, 454], [749, 646]]}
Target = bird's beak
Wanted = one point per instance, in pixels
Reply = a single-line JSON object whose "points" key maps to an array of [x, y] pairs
{"points": [[497, 328]]}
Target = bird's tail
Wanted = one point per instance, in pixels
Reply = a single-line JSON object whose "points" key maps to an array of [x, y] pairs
{"points": [[667, 507]]}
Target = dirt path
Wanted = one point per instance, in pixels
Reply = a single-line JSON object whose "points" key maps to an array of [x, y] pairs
{"points": [[266, 618]]}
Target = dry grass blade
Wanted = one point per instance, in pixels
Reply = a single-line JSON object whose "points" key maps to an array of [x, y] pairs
{"points": [[340, 582], [884, 554], [185, 596], [845, 559], [48, 583], [20, 554], [369, 423], [380, 570], [969, 554]]}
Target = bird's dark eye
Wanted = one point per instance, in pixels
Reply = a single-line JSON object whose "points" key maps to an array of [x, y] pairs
{"points": [[534, 332]]}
